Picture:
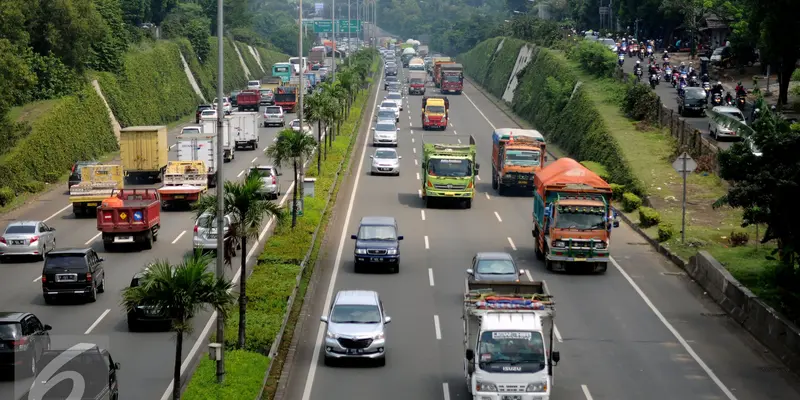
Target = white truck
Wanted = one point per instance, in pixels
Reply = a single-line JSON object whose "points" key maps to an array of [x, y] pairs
{"points": [[244, 127], [508, 338], [228, 144], [200, 148]]}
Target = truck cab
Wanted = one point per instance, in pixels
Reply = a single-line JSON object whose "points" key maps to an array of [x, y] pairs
{"points": [[517, 155], [452, 78], [448, 169], [435, 112]]}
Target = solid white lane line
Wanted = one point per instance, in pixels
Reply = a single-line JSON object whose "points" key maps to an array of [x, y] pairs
{"points": [[511, 242], [487, 196], [93, 238], [57, 212], [427, 245], [478, 177], [415, 161], [254, 160], [586, 392], [556, 332], [38, 278], [179, 237], [332, 283], [438, 329], [97, 321], [417, 175], [498, 216], [419, 192], [423, 214], [430, 276], [675, 333], [446, 390], [240, 174], [479, 111]]}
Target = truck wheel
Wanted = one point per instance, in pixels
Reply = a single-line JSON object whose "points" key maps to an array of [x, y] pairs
{"points": [[501, 189], [494, 180], [107, 246], [603, 268], [148, 241], [536, 249], [468, 204], [548, 265]]}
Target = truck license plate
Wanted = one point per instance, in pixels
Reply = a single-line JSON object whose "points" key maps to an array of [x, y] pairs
{"points": [[123, 239], [580, 259], [91, 204], [511, 397], [180, 196], [523, 182]]}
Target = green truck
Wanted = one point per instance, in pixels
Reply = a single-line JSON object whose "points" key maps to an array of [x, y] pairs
{"points": [[449, 168]]}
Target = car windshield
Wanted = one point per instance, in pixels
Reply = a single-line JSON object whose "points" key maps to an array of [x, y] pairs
{"points": [[204, 221], [355, 314], [9, 331], [417, 81], [524, 348], [394, 96], [735, 114], [265, 92], [263, 172], [718, 51], [495, 267], [273, 110], [692, 94], [388, 104], [385, 114], [435, 109], [20, 229], [449, 167], [580, 217], [281, 69], [385, 127], [608, 41], [253, 83], [65, 261], [377, 232], [190, 131], [296, 123], [208, 112], [522, 157], [385, 155]]}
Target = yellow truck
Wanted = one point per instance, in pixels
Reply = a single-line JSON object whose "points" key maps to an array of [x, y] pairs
{"points": [[97, 183], [184, 183], [271, 83], [144, 152]]}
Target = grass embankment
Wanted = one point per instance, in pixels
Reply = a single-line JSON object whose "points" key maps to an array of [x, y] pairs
{"points": [[274, 278], [588, 124]]}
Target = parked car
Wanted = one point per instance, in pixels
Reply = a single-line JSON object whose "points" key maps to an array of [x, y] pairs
{"points": [[27, 238], [356, 327], [273, 115], [377, 244], [75, 174], [269, 177], [23, 338], [199, 112], [74, 272]]}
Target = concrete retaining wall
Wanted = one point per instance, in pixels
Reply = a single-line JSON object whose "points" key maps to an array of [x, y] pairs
{"points": [[191, 79], [241, 60], [523, 58], [114, 123]]}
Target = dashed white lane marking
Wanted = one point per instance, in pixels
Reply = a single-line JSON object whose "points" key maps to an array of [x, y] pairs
{"points": [[459, 140], [414, 149], [97, 321], [446, 390], [427, 243], [454, 132], [415, 161], [57, 212], [239, 175], [478, 176], [170, 147], [419, 192], [430, 276], [586, 392], [412, 140], [675, 333], [498, 217], [412, 131], [513, 247], [93, 238], [422, 212], [254, 160], [417, 175], [528, 274], [438, 329], [179, 237], [38, 278], [487, 196]]}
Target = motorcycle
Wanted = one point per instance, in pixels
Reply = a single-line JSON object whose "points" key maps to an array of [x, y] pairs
{"points": [[667, 73], [641, 54], [681, 88], [693, 81], [650, 51], [740, 102], [624, 48], [665, 63], [716, 100], [638, 73], [653, 81], [675, 78], [684, 77], [632, 50], [707, 88], [621, 59]]}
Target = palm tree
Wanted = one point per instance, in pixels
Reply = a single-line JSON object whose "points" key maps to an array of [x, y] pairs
{"points": [[247, 209], [293, 147], [339, 94], [314, 111], [347, 81], [180, 292]]}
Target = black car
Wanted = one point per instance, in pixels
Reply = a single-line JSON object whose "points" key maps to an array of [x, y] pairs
{"points": [[693, 101], [377, 243], [494, 266], [75, 174], [92, 363], [389, 79], [391, 71], [200, 109], [23, 338], [75, 272], [142, 315]]}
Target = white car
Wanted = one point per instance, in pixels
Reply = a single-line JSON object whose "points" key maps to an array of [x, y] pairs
{"points": [[396, 97], [385, 133], [253, 85], [385, 161], [273, 115], [385, 114], [226, 105], [208, 114], [306, 127], [192, 130], [391, 105], [718, 131]]}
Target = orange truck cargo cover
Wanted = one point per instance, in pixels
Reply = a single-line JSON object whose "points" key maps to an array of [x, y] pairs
{"points": [[565, 172]]}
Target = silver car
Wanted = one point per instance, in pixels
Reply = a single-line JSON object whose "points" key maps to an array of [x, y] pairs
{"points": [[719, 131], [385, 161], [273, 115], [396, 97], [269, 177], [356, 327], [385, 133], [27, 238], [391, 105], [205, 232]]}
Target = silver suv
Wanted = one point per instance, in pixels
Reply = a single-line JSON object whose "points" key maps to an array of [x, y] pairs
{"points": [[356, 327], [205, 232], [271, 188], [273, 115]]}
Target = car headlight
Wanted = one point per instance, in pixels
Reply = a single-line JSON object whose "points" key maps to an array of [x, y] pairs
{"points": [[485, 386], [330, 335], [536, 387], [559, 244], [391, 251], [361, 251], [600, 245], [379, 336]]}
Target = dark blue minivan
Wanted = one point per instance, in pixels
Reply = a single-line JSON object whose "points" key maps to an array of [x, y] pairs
{"points": [[377, 244]]}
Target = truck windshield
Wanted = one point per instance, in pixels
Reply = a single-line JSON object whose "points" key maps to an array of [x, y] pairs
{"points": [[449, 167], [580, 218], [281, 69], [435, 109], [511, 351], [524, 158], [452, 78], [417, 81]]}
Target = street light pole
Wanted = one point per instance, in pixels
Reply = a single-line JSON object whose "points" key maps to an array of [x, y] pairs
{"points": [[301, 89], [335, 45], [220, 270]]}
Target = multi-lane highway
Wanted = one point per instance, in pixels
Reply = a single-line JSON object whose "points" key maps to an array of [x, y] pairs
{"points": [[640, 331], [146, 358]]}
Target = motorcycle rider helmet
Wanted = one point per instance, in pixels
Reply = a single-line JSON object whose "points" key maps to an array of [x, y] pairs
{"points": [[719, 83], [683, 64], [637, 62], [773, 108]]}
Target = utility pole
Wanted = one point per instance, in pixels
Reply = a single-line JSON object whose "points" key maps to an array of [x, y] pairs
{"points": [[220, 188], [335, 45], [349, 29], [302, 88]]}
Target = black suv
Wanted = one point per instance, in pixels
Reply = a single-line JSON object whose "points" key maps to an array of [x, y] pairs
{"points": [[200, 109], [142, 315], [23, 338], [75, 173], [693, 101], [93, 363], [73, 272]]}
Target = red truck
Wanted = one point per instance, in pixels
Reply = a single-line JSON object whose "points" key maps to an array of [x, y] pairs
{"points": [[130, 216], [416, 82], [286, 98], [248, 100], [452, 78]]}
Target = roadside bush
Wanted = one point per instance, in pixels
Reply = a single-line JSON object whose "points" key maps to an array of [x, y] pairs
{"points": [[641, 103], [270, 57], [594, 58], [648, 217], [597, 168], [739, 238], [478, 61], [501, 67], [617, 191], [33, 187], [665, 231], [6, 196], [630, 202]]}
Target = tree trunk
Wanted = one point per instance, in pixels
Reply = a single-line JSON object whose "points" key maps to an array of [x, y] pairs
{"points": [[294, 195], [319, 146], [243, 296], [176, 370], [787, 68]]}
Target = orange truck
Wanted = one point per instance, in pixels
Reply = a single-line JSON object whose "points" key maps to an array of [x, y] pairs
{"points": [[572, 217], [437, 70], [517, 155]]}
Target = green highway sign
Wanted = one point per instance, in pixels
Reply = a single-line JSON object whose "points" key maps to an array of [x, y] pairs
{"points": [[323, 26], [343, 26]]}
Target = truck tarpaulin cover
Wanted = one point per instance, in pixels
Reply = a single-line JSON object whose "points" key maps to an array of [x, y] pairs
{"points": [[568, 171]]}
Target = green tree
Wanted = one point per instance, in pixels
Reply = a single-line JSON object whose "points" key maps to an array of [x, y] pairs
{"points": [[247, 208], [189, 20], [292, 147], [180, 292], [314, 110]]}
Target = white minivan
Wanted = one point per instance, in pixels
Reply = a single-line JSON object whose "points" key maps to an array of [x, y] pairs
{"points": [[253, 85], [385, 133]]}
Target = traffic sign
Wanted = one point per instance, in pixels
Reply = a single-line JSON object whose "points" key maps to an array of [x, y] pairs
{"points": [[353, 25], [684, 164], [323, 26]]}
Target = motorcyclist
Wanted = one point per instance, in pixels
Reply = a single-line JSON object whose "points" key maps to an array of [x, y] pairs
{"points": [[690, 68], [728, 98], [740, 90], [637, 69], [682, 68], [716, 89], [705, 78], [665, 56]]}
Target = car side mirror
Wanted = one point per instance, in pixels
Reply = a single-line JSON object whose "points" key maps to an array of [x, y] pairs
{"points": [[373, 128], [354, 237], [116, 366], [470, 354], [616, 224], [47, 327], [399, 157], [556, 356], [387, 320], [323, 319], [470, 271], [400, 237], [522, 272], [398, 129], [101, 259], [371, 156], [52, 229], [279, 174]]}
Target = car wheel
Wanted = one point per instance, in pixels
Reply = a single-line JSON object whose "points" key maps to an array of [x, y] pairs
{"points": [[93, 295], [329, 361], [48, 299], [382, 361], [102, 287], [133, 326], [32, 371]]}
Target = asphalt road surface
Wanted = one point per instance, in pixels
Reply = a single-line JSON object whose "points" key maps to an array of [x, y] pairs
{"points": [[640, 331], [146, 358], [669, 97]]}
